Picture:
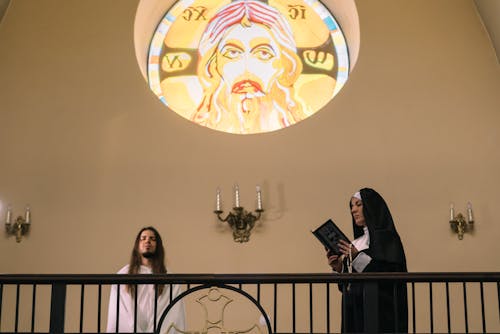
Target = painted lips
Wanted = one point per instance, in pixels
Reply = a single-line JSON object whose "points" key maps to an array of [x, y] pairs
{"points": [[246, 86]]}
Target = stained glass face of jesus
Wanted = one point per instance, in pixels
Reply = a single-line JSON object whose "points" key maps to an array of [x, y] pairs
{"points": [[244, 73], [248, 61]]}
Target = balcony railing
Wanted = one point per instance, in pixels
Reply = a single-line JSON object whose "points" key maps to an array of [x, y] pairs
{"points": [[283, 303]]}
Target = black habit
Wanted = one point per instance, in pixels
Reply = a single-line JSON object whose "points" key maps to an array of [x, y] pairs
{"points": [[387, 255]]}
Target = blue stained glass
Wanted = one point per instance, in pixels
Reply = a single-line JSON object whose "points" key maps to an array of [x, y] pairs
{"points": [[169, 17], [330, 23]]}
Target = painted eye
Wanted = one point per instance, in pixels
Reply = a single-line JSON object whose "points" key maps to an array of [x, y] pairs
{"points": [[231, 53], [264, 53]]}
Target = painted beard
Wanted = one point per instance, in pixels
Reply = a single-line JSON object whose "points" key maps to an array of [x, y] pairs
{"points": [[246, 109]]}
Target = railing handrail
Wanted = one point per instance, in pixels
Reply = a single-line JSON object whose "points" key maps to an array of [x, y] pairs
{"points": [[204, 278]]}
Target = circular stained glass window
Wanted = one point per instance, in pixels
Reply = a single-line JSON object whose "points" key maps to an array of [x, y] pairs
{"points": [[247, 66]]}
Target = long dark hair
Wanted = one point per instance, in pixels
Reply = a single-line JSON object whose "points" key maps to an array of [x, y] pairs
{"points": [[157, 261]]}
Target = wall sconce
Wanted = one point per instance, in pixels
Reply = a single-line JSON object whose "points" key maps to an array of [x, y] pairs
{"points": [[20, 226], [459, 224], [240, 220]]}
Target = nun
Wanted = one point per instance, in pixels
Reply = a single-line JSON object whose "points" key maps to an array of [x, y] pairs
{"points": [[376, 247]]}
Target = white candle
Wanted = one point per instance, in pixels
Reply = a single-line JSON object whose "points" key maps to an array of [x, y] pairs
{"points": [[8, 215], [27, 216], [452, 211], [236, 196], [469, 212], [259, 198], [217, 205]]}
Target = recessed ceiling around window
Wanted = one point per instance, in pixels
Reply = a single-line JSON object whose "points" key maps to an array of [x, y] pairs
{"points": [[4, 4]]}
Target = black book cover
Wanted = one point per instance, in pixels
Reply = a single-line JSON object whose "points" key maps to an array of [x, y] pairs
{"points": [[330, 234]]}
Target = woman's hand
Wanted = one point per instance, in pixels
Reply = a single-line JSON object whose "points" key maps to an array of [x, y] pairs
{"points": [[344, 248], [335, 261]]}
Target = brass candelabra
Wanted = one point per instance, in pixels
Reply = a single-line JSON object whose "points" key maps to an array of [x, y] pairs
{"points": [[240, 220], [20, 226], [459, 224]]}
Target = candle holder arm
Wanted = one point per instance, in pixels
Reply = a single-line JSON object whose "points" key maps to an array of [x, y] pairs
{"points": [[240, 221], [19, 228]]}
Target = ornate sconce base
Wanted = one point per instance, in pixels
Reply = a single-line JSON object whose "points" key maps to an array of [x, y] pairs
{"points": [[241, 222], [19, 228], [459, 225]]}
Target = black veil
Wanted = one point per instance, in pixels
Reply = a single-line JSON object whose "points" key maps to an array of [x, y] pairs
{"points": [[385, 243]]}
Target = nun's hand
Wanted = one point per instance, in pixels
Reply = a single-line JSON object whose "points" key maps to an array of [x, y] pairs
{"points": [[344, 248], [335, 261]]}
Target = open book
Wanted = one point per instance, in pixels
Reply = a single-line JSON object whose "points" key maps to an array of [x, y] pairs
{"points": [[330, 234]]}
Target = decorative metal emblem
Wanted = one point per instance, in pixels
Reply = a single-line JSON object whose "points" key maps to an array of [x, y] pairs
{"points": [[216, 303]]}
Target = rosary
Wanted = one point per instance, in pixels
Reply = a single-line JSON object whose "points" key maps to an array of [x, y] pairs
{"points": [[349, 266]]}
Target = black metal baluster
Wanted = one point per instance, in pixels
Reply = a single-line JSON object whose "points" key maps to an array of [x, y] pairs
{"points": [[82, 303], [33, 309], [294, 319], [57, 308], [310, 308], [16, 321], [118, 288], [431, 307], [99, 303], [465, 308], [275, 311], [448, 313], [156, 287], [414, 314], [135, 307], [1, 302], [483, 318], [498, 298], [328, 307]]}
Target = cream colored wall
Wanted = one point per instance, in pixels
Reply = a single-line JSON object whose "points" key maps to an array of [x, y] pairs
{"points": [[97, 156]]}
